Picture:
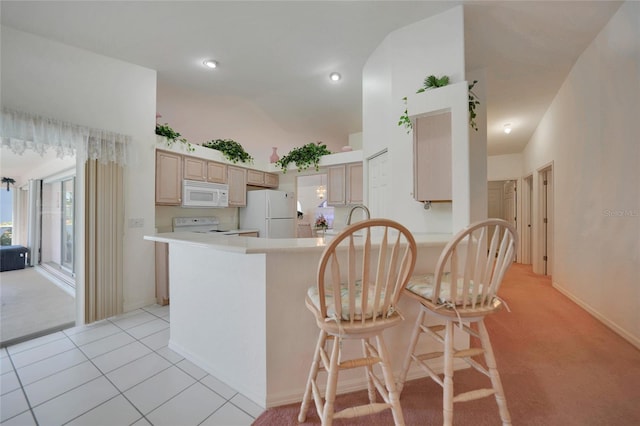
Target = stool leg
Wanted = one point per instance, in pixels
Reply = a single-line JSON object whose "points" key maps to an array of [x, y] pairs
{"points": [[493, 374], [447, 394], [415, 335], [390, 382], [368, 372], [313, 373], [332, 385]]}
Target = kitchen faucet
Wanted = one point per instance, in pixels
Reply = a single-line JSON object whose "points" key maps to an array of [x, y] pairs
{"points": [[358, 206]]}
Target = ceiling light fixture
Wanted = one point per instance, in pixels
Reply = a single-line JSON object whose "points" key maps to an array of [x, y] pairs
{"points": [[507, 128], [211, 63], [334, 76]]}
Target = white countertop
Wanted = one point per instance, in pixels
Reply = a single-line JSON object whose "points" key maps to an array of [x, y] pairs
{"points": [[251, 245]]}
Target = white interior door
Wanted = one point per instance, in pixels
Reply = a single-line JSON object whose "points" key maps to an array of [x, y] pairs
{"points": [[509, 202], [379, 184], [526, 220], [494, 199]]}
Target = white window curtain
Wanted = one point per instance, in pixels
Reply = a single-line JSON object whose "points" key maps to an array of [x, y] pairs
{"points": [[20, 131]]}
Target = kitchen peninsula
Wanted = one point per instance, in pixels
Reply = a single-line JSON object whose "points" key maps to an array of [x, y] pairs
{"points": [[237, 310]]}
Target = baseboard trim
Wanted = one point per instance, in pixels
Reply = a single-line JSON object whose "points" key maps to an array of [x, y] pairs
{"points": [[635, 341]]}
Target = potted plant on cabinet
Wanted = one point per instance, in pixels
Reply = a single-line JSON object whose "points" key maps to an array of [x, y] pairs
{"points": [[304, 156], [432, 82], [171, 135], [231, 149]]}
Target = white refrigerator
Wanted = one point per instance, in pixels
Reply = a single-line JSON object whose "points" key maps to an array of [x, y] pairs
{"points": [[272, 213]]}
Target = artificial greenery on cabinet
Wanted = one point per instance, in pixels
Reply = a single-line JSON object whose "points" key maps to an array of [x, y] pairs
{"points": [[304, 156], [432, 82], [172, 136], [231, 149]]}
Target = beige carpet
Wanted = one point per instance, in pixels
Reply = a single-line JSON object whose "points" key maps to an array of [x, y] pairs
{"points": [[31, 304], [559, 366]]}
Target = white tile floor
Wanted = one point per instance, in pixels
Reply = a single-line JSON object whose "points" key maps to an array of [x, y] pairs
{"points": [[115, 372]]}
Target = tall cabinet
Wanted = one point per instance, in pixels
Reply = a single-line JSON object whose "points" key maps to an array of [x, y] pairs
{"points": [[432, 157]]}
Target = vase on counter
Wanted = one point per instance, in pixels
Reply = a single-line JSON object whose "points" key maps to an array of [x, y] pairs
{"points": [[274, 155]]}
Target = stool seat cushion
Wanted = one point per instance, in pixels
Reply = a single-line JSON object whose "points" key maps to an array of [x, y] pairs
{"points": [[344, 295], [424, 286]]}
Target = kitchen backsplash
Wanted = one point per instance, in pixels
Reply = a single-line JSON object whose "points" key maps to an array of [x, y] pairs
{"points": [[228, 217]]}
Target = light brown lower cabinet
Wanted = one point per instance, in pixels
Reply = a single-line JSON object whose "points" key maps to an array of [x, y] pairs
{"points": [[162, 273]]}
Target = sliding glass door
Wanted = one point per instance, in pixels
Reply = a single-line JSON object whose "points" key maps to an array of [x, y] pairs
{"points": [[68, 223], [58, 226]]}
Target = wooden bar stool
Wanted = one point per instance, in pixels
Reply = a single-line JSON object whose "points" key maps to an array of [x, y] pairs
{"points": [[361, 275], [463, 291]]}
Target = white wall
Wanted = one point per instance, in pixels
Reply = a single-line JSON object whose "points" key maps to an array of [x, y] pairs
{"points": [[504, 167], [590, 133], [51, 79], [396, 69], [201, 117]]}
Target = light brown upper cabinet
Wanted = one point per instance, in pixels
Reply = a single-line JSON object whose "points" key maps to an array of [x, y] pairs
{"points": [[237, 181], [195, 168], [168, 178], [263, 179], [344, 184], [216, 172], [206, 171], [432, 157], [271, 180]]}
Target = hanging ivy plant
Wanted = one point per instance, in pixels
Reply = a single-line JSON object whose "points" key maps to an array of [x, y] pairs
{"points": [[172, 136], [432, 82], [304, 156], [473, 103], [231, 149]]}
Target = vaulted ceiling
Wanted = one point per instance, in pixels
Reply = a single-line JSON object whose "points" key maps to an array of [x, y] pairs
{"points": [[278, 55]]}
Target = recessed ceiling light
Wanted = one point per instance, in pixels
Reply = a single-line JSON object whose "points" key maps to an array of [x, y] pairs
{"points": [[334, 76], [210, 63], [507, 128]]}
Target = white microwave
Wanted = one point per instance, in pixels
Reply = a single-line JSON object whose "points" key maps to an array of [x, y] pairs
{"points": [[204, 194]]}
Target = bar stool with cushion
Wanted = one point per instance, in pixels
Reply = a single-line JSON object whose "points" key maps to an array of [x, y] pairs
{"points": [[361, 275], [461, 292]]}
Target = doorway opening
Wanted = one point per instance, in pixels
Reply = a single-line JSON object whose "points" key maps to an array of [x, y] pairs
{"points": [[502, 202], [311, 193], [40, 298]]}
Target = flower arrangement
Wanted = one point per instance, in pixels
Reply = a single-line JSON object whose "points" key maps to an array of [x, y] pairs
{"points": [[321, 222]]}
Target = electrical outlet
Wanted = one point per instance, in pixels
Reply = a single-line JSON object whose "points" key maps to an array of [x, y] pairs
{"points": [[137, 222]]}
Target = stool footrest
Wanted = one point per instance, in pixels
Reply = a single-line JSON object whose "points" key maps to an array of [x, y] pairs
{"points": [[474, 394], [467, 353], [358, 362], [361, 410]]}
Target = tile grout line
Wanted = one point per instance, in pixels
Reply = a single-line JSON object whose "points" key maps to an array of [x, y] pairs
{"points": [[33, 415], [112, 384], [154, 351]]}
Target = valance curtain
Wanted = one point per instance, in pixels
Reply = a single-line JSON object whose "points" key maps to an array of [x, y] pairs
{"points": [[20, 131]]}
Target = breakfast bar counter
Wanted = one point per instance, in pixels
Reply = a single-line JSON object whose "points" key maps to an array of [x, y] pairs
{"points": [[237, 310]]}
